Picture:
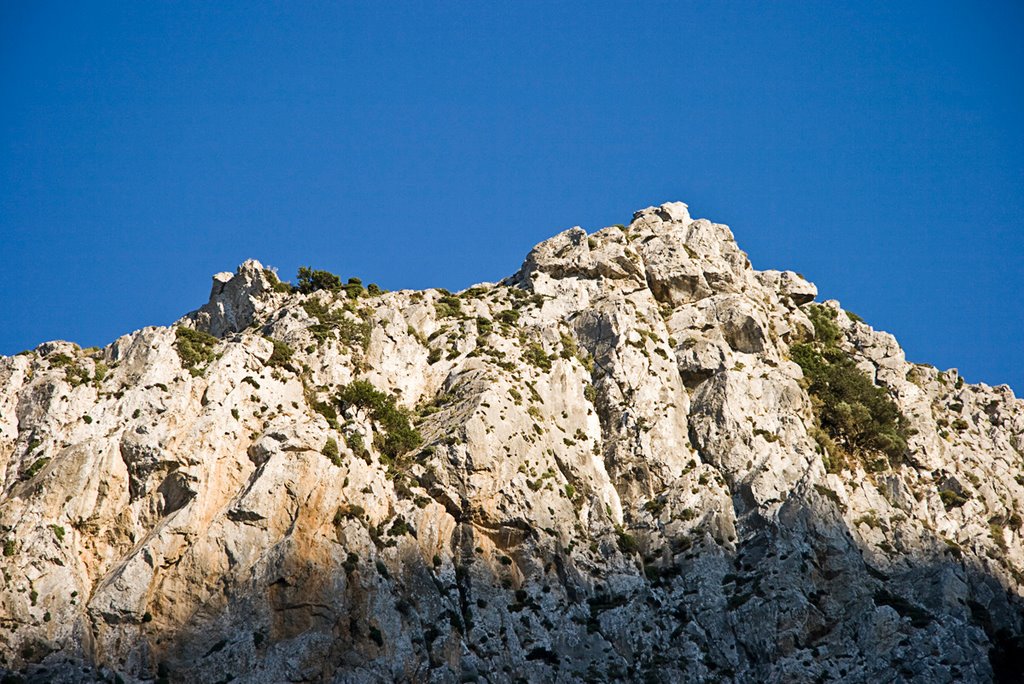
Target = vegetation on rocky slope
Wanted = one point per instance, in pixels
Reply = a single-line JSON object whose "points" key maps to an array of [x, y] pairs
{"points": [[195, 349], [396, 435], [854, 417], [310, 280], [553, 478]]}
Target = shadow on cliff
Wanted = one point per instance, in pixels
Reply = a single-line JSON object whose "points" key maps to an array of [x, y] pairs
{"points": [[790, 592], [937, 589]]}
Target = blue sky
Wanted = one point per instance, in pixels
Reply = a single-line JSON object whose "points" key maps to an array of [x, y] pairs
{"points": [[878, 149]]}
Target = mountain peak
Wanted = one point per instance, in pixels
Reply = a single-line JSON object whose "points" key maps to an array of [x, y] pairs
{"points": [[673, 212]]}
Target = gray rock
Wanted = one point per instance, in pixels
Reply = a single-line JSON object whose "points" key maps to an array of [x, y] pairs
{"points": [[619, 477]]}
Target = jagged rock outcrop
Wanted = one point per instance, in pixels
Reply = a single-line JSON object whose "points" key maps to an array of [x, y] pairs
{"points": [[236, 299], [614, 470]]}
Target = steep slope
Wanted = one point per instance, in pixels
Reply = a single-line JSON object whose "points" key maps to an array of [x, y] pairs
{"points": [[608, 466]]}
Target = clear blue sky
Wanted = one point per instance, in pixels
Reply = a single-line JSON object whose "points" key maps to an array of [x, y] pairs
{"points": [[876, 149]]}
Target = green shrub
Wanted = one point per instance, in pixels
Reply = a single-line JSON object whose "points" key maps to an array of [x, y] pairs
{"points": [[358, 447], [417, 335], [354, 333], [952, 499], [74, 373], [508, 317], [870, 519], [400, 528], [448, 306], [396, 435], [58, 532], [100, 373], [830, 494], [34, 469], [627, 543], [282, 354], [195, 349], [473, 293], [654, 507], [59, 360], [826, 330], [310, 280], [348, 512], [995, 530], [354, 288], [534, 354], [569, 347], [330, 450], [9, 548], [275, 282], [331, 322], [362, 394], [351, 561], [858, 418]]}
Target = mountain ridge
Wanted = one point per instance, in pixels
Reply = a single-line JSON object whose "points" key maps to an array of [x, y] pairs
{"points": [[606, 466]]}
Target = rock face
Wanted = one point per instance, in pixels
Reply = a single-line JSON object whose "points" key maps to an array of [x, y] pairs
{"points": [[618, 475]]}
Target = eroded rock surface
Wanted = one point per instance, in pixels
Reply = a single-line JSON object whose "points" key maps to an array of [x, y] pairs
{"points": [[618, 478]]}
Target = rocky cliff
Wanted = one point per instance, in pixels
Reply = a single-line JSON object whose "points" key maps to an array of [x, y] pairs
{"points": [[636, 459]]}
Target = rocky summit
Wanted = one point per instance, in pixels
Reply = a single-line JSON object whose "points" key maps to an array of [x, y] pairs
{"points": [[636, 459]]}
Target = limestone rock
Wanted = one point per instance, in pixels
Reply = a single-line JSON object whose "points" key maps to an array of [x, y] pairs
{"points": [[235, 300], [613, 471]]}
